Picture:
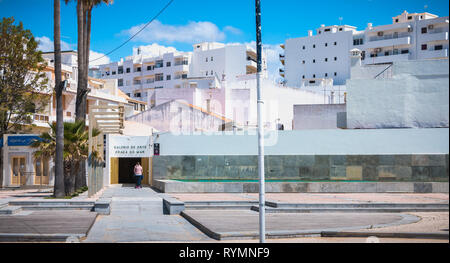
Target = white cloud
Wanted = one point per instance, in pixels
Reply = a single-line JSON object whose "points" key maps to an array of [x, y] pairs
{"points": [[232, 30], [154, 50], [46, 44], [99, 59], [193, 32]]}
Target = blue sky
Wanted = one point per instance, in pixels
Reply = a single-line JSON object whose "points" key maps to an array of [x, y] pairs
{"points": [[188, 21]]}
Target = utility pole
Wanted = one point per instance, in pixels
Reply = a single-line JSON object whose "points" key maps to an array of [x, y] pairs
{"points": [[262, 209]]}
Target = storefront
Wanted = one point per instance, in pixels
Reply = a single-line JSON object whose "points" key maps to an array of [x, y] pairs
{"points": [[122, 154], [20, 167]]}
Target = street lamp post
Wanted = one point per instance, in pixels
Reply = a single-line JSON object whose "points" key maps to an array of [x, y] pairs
{"points": [[262, 222]]}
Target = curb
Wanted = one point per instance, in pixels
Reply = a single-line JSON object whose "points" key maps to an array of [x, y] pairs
{"points": [[6, 237], [386, 235]]}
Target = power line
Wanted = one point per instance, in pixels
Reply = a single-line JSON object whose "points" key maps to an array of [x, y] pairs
{"points": [[128, 40]]}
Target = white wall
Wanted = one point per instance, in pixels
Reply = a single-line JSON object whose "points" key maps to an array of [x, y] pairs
{"points": [[311, 142], [417, 96], [322, 116]]}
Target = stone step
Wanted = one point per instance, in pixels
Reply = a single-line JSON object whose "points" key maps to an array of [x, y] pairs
{"points": [[62, 207], [51, 203], [350, 210], [9, 210], [220, 207], [359, 205], [221, 202]]}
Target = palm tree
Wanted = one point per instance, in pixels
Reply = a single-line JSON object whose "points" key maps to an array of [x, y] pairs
{"points": [[59, 169], [84, 14], [76, 149]]}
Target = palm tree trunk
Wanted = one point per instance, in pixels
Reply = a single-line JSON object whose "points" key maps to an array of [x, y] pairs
{"points": [[80, 106], [58, 190]]}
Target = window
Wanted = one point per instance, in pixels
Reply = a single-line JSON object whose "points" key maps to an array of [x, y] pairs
{"points": [[326, 59], [358, 41], [138, 69], [168, 64], [120, 70], [314, 61], [159, 64], [159, 77], [312, 81], [396, 20], [303, 76], [212, 72], [327, 30], [159, 87], [137, 95], [149, 67], [206, 73], [114, 73], [424, 47], [405, 51], [335, 58], [212, 59], [340, 29], [424, 30], [314, 75], [386, 53], [303, 62], [128, 70], [326, 74], [335, 73], [304, 47], [206, 60], [335, 43], [314, 46], [128, 94], [326, 44], [438, 47], [120, 82], [184, 76], [320, 32], [168, 77], [409, 17]]}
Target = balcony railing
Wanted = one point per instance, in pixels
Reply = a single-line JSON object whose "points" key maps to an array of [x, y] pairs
{"points": [[389, 36]]}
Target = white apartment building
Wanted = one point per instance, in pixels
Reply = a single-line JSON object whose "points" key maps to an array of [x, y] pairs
{"points": [[210, 63], [309, 60]]}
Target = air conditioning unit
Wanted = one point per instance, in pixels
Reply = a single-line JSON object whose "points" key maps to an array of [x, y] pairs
{"points": [[430, 26], [380, 34]]}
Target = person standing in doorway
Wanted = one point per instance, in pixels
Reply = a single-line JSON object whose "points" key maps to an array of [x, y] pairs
{"points": [[138, 175]]}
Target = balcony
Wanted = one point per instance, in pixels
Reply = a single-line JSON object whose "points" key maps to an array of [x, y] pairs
{"points": [[434, 37], [388, 41], [282, 59], [427, 54], [386, 59]]}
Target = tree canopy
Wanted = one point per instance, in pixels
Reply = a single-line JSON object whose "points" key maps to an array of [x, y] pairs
{"points": [[23, 83]]}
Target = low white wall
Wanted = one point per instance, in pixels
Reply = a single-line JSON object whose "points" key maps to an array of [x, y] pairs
{"points": [[310, 142], [417, 96], [321, 116]]}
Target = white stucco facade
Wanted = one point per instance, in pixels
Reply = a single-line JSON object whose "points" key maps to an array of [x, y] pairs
{"points": [[416, 95], [325, 55]]}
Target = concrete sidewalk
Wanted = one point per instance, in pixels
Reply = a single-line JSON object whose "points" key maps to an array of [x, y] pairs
{"points": [[137, 216]]}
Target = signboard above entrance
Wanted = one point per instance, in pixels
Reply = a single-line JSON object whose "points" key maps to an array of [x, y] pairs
{"points": [[130, 146]]}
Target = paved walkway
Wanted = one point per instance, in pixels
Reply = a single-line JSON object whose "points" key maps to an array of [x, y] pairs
{"points": [[137, 216]]}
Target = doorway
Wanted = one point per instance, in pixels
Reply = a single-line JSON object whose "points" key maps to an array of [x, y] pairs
{"points": [[18, 167], [126, 170]]}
